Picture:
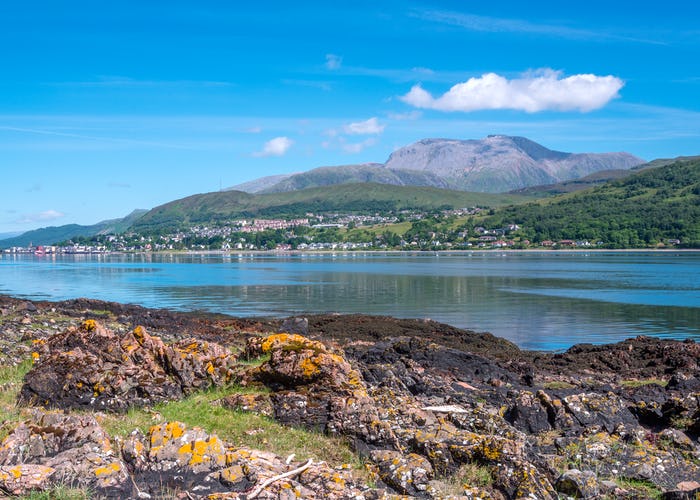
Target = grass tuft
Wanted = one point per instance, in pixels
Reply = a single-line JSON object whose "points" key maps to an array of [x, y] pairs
{"points": [[237, 427], [11, 378]]}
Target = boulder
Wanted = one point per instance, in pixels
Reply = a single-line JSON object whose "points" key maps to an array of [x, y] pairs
{"points": [[578, 484], [93, 367], [409, 474], [54, 448]]}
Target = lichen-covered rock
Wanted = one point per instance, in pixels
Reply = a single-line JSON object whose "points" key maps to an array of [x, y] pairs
{"points": [[528, 414], [595, 411], [578, 484], [630, 455], [249, 402], [22, 479], [298, 361], [92, 367], [71, 449], [407, 474]]}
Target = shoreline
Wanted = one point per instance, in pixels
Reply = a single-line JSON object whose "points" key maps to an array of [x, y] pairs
{"points": [[376, 252], [409, 398]]}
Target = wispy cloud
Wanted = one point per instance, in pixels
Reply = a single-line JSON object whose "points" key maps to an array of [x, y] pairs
{"points": [[487, 24], [368, 127], [333, 61], [407, 116], [34, 188], [275, 147], [358, 147], [45, 216], [124, 81], [545, 90], [316, 84], [88, 137]]}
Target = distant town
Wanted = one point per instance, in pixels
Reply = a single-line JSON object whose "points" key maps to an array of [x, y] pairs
{"points": [[406, 230]]}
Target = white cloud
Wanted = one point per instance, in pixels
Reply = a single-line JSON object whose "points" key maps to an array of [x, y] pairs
{"points": [[367, 127], [333, 61], [46, 215], [253, 130], [542, 91], [276, 147]]}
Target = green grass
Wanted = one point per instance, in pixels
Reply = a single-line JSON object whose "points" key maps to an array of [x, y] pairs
{"points": [[644, 489], [238, 428], [468, 475], [558, 384], [11, 381], [630, 384], [58, 493]]}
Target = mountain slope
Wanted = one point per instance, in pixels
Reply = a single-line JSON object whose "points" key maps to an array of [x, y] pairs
{"points": [[257, 185], [55, 234], [352, 174], [501, 163], [647, 208], [223, 206], [495, 164]]}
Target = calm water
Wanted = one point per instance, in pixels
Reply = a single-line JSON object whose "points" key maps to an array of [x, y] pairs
{"points": [[538, 300]]}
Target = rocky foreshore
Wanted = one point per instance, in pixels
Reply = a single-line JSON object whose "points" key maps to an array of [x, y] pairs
{"points": [[105, 400]]}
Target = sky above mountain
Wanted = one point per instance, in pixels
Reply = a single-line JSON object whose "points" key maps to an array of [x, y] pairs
{"points": [[110, 106]]}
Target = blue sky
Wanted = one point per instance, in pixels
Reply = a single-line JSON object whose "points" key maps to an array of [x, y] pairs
{"points": [[115, 105]]}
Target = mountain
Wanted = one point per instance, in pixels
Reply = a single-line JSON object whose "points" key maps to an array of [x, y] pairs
{"points": [[353, 174], [223, 206], [650, 207], [592, 180], [495, 164], [4, 236], [257, 185], [501, 163], [56, 234], [595, 179]]}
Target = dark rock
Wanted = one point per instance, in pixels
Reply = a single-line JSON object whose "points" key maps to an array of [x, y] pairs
{"points": [[295, 325], [683, 383], [599, 411], [26, 306], [527, 414], [687, 490]]}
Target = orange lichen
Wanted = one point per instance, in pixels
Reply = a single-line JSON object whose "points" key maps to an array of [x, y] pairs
{"points": [[309, 367], [89, 325], [140, 334], [108, 469]]}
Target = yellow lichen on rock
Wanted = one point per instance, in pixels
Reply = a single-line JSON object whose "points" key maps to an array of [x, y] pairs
{"points": [[89, 325], [108, 469]]}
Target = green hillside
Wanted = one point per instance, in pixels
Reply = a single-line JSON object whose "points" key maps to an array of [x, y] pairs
{"points": [[56, 234], [359, 198], [648, 208]]}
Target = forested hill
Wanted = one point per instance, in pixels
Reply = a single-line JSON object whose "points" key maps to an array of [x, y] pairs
{"points": [[212, 208], [646, 209]]}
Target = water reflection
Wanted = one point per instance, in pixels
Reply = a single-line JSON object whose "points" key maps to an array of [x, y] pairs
{"points": [[539, 301]]}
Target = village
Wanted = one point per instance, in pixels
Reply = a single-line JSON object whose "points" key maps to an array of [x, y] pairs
{"points": [[315, 232]]}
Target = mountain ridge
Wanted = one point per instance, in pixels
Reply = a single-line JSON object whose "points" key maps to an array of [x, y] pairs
{"points": [[495, 164], [54, 234]]}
